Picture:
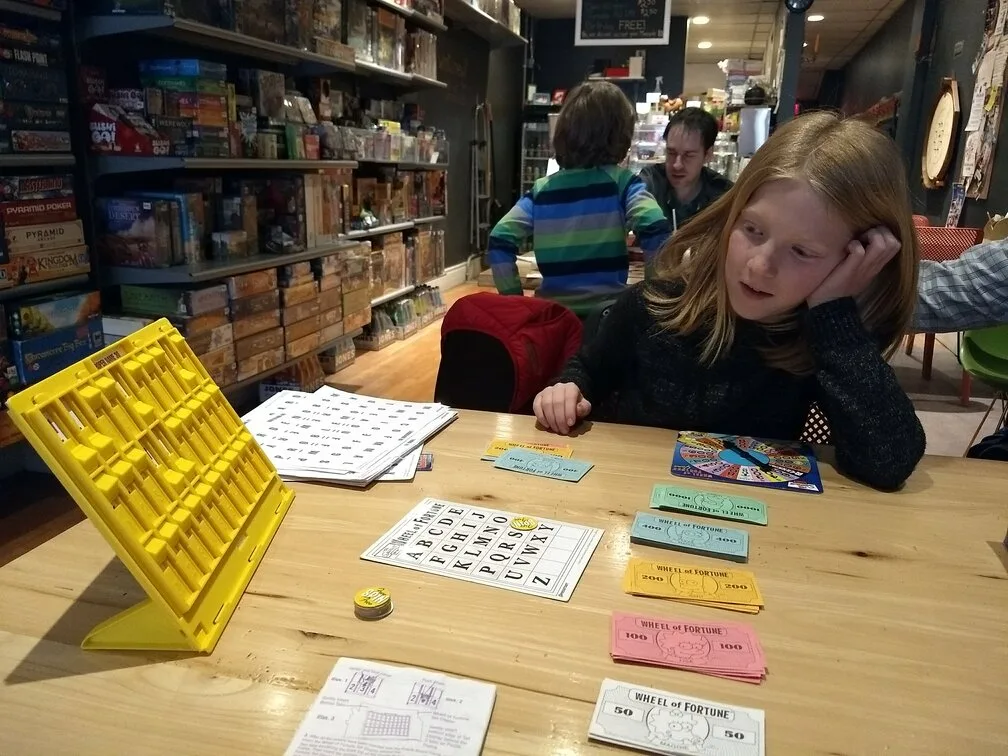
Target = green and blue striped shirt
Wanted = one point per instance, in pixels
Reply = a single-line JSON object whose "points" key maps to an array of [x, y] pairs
{"points": [[579, 219]]}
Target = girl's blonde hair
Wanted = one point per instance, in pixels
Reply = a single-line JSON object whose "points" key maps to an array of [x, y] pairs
{"points": [[860, 173]]}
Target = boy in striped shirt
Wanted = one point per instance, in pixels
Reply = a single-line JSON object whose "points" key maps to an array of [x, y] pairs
{"points": [[579, 216]]}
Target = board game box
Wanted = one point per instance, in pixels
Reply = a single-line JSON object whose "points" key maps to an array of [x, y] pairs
{"points": [[746, 460]]}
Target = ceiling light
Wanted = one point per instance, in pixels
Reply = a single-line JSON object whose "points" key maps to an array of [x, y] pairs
{"points": [[705, 45], [815, 17], [700, 20]]}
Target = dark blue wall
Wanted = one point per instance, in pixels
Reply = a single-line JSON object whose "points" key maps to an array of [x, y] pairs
{"points": [[877, 70], [561, 65]]}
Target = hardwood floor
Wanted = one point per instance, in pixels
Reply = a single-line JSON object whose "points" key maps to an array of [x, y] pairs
{"points": [[34, 507], [405, 370]]}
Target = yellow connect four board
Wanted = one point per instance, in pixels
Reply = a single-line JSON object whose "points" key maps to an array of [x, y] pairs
{"points": [[153, 453]]}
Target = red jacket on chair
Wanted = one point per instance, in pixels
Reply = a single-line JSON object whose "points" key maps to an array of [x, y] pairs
{"points": [[498, 352]]}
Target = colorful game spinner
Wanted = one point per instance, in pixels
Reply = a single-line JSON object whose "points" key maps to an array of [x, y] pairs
{"points": [[153, 453], [742, 459]]}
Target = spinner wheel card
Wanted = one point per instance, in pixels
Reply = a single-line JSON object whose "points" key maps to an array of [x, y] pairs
{"points": [[750, 461]]}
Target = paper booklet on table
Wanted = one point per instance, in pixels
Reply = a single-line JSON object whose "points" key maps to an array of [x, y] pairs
{"points": [[334, 436], [371, 709]]}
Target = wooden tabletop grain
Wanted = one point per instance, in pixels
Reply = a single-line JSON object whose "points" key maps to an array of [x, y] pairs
{"points": [[885, 628]]}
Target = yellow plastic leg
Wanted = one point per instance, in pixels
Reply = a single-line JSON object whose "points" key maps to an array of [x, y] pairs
{"points": [[144, 627]]}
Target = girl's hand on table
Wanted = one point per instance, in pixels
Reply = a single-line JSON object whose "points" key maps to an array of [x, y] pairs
{"points": [[559, 407]]}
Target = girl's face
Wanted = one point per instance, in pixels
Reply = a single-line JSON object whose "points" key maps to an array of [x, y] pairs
{"points": [[783, 246]]}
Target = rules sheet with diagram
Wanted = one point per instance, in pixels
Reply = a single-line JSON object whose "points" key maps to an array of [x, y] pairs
{"points": [[370, 709]]}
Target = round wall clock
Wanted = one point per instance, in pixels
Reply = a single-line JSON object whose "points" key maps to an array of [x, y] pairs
{"points": [[939, 142]]}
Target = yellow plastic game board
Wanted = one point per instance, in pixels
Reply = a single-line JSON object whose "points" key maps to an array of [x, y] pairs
{"points": [[153, 453]]}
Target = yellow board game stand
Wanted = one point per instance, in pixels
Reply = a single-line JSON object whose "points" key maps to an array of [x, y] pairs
{"points": [[150, 449]]}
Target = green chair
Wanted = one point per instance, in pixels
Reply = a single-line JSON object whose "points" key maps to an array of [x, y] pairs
{"points": [[983, 354]]}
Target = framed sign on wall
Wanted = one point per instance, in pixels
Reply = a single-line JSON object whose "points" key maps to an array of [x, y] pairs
{"points": [[622, 22]]}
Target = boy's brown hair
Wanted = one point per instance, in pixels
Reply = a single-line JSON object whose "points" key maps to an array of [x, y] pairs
{"points": [[595, 126]]}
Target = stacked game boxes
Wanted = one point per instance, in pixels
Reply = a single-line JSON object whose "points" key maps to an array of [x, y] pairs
{"points": [[303, 24], [356, 286], [201, 315], [34, 107], [48, 334], [180, 107], [300, 308], [329, 274], [43, 238], [255, 316]]}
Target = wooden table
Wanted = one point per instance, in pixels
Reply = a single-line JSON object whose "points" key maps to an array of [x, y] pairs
{"points": [[886, 621]]}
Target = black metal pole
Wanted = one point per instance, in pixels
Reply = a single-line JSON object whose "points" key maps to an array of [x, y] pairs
{"points": [[794, 38]]}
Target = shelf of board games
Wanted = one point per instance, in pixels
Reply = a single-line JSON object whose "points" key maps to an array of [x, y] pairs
{"points": [[30, 9], [212, 270], [482, 24], [304, 62], [433, 23], [10, 435], [43, 287], [107, 165], [36, 160], [404, 165], [251, 380], [391, 295]]}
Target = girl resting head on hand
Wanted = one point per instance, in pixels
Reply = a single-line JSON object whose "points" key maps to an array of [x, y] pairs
{"points": [[790, 290], [822, 211]]}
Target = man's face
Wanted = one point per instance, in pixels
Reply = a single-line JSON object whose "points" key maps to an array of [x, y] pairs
{"points": [[684, 157]]}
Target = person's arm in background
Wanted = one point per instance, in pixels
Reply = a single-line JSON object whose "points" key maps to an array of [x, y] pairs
{"points": [[968, 292], [645, 218], [504, 242]]}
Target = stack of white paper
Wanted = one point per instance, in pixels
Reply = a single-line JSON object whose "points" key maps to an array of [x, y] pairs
{"points": [[370, 709], [337, 437]]}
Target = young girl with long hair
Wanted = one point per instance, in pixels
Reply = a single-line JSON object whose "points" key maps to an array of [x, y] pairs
{"points": [[792, 289]]}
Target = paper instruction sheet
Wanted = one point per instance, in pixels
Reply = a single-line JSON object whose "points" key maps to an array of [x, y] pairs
{"points": [[370, 709]]}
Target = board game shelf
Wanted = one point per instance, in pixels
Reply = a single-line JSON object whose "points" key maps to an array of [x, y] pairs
{"points": [[211, 38], [410, 14], [379, 230], [381, 73], [43, 287], [211, 269], [482, 24], [36, 159], [390, 295], [109, 164], [404, 164], [28, 9], [289, 363], [426, 81]]}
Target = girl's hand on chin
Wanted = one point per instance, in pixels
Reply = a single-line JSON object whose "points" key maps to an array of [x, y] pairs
{"points": [[865, 259]]}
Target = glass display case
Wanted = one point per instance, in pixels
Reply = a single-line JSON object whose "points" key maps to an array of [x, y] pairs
{"points": [[648, 147]]}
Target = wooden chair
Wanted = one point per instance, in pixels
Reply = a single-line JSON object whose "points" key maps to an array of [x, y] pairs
{"points": [[941, 244]]}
